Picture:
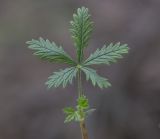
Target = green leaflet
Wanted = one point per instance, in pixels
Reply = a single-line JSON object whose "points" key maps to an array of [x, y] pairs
{"points": [[95, 78], [90, 111], [81, 28], [107, 55], [63, 77], [50, 51], [68, 110]]}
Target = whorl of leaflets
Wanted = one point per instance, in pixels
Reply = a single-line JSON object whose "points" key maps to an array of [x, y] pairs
{"points": [[81, 28]]}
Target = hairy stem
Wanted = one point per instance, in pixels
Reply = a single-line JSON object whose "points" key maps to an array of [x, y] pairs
{"points": [[80, 92], [84, 131]]}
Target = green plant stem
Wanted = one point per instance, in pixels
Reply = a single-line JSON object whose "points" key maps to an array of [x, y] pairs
{"points": [[84, 131], [80, 92]]}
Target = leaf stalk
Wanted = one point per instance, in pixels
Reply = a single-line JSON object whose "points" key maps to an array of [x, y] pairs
{"points": [[84, 131]]}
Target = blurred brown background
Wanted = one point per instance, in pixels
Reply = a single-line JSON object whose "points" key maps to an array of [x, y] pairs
{"points": [[130, 109]]}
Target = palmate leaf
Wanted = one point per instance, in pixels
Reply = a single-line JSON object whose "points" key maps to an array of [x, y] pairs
{"points": [[81, 28], [62, 77], [80, 112], [71, 115], [107, 55], [49, 51], [95, 78]]}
